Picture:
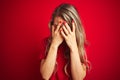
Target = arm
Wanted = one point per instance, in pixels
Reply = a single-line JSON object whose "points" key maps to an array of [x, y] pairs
{"points": [[78, 70], [47, 65]]}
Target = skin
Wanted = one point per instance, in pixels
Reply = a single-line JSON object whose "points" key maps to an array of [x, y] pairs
{"points": [[59, 33]]}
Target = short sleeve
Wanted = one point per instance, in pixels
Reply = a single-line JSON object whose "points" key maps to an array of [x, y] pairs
{"points": [[43, 45]]}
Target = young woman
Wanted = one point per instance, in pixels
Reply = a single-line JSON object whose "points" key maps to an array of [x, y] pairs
{"points": [[64, 57]]}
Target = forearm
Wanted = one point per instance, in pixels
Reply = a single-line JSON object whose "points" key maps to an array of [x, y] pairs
{"points": [[48, 65], [77, 70]]}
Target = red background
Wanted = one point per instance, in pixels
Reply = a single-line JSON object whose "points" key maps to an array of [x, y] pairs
{"points": [[25, 23]]}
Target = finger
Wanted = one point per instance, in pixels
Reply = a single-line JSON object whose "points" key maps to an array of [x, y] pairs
{"points": [[63, 34], [67, 27], [73, 26], [65, 30], [53, 28], [58, 27]]}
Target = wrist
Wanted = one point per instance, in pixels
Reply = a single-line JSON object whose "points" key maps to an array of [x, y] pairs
{"points": [[54, 45], [74, 49]]}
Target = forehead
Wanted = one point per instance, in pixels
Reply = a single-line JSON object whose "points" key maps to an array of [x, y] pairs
{"points": [[57, 20]]}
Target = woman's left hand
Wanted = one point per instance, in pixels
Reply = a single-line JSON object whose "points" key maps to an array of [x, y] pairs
{"points": [[69, 35]]}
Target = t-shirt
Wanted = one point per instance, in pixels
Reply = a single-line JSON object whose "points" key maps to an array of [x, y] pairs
{"points": [[59, 74]]}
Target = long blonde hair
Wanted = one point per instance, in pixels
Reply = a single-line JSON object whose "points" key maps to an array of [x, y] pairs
{"points": [[68, 13]]}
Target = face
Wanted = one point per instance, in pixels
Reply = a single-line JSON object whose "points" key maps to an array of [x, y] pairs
{"points": [[57, 20]]}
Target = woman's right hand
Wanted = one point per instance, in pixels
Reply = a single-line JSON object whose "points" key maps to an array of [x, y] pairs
{"points": [[57, 39]]}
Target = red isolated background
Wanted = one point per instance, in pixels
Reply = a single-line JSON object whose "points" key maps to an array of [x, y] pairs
{"points": [[23, 24]]}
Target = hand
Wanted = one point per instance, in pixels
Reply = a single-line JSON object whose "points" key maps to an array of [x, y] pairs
{"points": [[57, 39], [69, 35]]}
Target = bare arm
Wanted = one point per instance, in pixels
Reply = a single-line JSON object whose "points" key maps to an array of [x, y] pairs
{"points": [[47, 65], [78, 70]]}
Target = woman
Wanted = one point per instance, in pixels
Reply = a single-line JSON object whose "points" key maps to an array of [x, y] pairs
{"points": [[65, 57]]}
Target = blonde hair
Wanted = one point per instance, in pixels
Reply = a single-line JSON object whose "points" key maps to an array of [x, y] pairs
{"points": [[69, 13]]}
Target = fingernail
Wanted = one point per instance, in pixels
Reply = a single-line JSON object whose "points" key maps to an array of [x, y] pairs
{"points": [[72, 21], [64, 22]]}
